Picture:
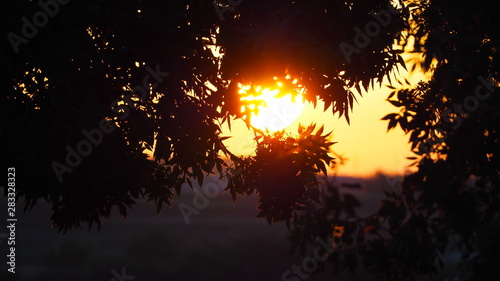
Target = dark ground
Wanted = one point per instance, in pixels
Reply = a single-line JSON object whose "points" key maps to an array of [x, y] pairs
{"points": [[224, 242]]}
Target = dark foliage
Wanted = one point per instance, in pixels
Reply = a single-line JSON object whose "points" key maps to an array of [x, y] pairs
{"points": [[451, 201], [82, 66]]}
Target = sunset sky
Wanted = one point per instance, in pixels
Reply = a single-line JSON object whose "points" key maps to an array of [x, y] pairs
{"points": [[365, 143]]}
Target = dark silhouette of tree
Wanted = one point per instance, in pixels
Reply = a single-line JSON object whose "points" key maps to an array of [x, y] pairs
{"points": [[87, 86], [451, 201]]}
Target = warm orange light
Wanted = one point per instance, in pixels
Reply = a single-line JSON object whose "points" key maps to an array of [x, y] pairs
{"points": [[270, 109]]}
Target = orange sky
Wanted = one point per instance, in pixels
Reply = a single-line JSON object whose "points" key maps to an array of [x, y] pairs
{"points": [[365, 142]]}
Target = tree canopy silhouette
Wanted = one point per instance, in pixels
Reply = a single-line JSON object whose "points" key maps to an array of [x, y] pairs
{"points": [[90, 85], [451, 201]]}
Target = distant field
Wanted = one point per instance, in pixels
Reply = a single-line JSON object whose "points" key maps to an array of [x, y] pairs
{"points": [[225, 241]]}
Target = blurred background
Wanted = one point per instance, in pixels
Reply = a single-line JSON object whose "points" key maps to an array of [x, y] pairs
{"points": [[225, 241]]}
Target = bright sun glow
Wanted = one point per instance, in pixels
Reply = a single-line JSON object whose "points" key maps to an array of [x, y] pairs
{"points": [[365, 142], [270, 108]]}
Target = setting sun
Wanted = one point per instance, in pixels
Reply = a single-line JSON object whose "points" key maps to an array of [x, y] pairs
{"points": [[365, 143], [271, 108]]}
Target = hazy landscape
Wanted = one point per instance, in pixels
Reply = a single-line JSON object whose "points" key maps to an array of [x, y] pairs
{"points": [[225, 241]]}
